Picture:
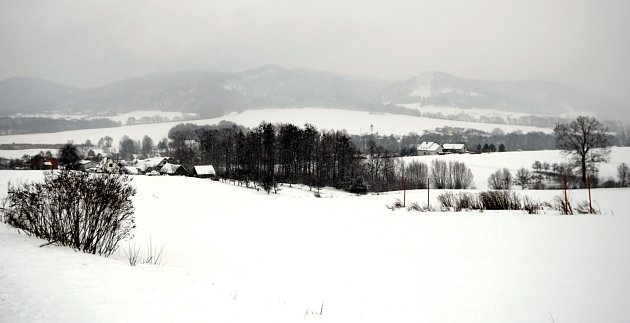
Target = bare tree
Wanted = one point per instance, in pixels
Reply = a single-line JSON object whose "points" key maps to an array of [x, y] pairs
{"points": [[623, 172], [439, 174], [147, 145], [585, 141], [523, 177], [461, 177], [416, 173], [500, 180]]}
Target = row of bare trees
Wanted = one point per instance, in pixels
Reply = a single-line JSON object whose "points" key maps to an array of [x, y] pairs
{"points": [[270, 154]]}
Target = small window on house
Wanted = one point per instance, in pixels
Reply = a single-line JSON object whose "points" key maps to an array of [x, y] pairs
{"points": [[111, 165]]}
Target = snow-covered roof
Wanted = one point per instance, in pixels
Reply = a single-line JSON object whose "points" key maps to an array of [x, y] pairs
{"points": [[428, 146], [205, 170], [143, 164], [131, 170], [169, 168], [454, 146]]}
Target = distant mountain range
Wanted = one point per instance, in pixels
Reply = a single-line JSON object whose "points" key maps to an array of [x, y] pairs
{"points": [[213, 94]]}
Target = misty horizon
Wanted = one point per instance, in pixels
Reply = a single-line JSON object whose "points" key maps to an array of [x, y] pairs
{"points": [[86, 43]]}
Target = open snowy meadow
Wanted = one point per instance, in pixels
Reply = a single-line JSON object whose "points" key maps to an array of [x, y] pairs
{"points": [[233, 254], [355, 122]]}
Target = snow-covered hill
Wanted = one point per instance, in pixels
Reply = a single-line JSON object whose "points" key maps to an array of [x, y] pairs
{"points": [[237, 255], [211, 94], [529, 97]]}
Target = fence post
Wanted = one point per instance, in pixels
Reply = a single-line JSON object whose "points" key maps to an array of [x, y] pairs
{"points": [[590, 204], [566, 199], [428, 194]]}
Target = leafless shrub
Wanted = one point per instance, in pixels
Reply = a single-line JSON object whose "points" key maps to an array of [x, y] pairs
{"points": [[461, 177], [396, 205], [530, 206], [559, 204], [500, 180], [439, 174], [499, 200], [585, 208], [447, 200], [89, 212]]}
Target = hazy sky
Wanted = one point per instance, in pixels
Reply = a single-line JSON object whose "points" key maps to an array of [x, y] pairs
{"points": [[93, 42]]}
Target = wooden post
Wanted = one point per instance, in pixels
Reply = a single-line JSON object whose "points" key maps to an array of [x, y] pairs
{"points": [[566, 198], [590, 204], [428, 194]]}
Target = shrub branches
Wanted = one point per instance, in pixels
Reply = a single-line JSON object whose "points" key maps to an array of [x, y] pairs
{"points": [[89, 212]]}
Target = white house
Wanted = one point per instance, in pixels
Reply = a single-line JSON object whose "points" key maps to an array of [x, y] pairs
{"points": [[429, 148], [150, 164], [109, 165]]}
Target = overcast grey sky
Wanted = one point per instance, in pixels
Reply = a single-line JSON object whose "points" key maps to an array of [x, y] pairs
{"points": [[93, 42]]}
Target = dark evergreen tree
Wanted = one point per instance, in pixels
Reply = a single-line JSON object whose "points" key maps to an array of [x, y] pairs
{"points": [[69, 156]]}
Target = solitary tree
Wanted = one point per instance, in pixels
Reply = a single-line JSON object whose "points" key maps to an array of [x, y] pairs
{"points": [[623, 172], [500, 180], [523, 177], [147, 145], [585, 141], [69, 156]]}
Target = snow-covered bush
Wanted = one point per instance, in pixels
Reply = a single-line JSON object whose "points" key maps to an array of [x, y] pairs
{"points": [[89, 212]]}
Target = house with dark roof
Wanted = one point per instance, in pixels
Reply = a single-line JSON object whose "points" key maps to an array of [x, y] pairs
{"points": [[173, 169]]}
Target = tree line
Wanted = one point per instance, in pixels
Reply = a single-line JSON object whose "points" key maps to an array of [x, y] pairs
{"points": [[272, 153]]}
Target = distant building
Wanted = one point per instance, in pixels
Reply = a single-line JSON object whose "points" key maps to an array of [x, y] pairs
{"points": [[108, 165], [454, 148], [429, 148], [51, 163], [87, 165], [205, 171], [151, 164], [173, 169]]}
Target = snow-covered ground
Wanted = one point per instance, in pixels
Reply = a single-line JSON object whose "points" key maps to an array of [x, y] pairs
{"points": [[482, 165], [238, 255], [121, 117], [18, 153], [478, 113], [355, 122]]}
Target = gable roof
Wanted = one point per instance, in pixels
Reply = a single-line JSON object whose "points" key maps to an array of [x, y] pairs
{"points": [[150, 162], [428, 146], [454, 146], [169, 168], [205, 170]]}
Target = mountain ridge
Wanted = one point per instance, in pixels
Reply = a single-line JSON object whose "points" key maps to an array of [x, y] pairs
{"points": [[212, 94]]}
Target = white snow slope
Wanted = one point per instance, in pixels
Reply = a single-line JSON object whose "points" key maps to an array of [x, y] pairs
{"points": [[238, 255]]}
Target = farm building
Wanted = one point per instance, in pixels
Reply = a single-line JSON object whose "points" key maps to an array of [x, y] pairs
{"points": [[454, 148], [429, 148], [173, 169], [205, 171]]}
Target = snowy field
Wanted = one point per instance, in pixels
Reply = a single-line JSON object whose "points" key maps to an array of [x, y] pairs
{"points": [[482, 165], [477, 113], [121, 117], [355, 122], [237, 255]]}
